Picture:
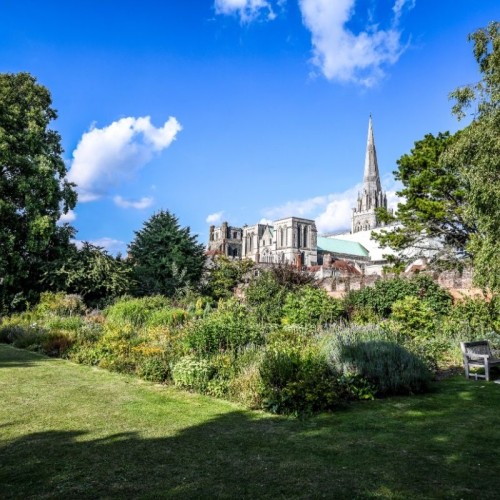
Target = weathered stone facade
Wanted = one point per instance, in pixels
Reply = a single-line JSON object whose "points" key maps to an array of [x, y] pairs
{"points": [[292, 240]]}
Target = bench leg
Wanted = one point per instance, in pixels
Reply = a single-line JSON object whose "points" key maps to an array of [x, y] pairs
{"points": [[487, 370]]}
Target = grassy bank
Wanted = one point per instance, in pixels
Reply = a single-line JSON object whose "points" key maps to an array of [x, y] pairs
{"points": [[73, 431]]}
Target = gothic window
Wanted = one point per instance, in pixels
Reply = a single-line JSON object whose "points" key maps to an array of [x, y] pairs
{"points": [[305, 237], [298, 236]]}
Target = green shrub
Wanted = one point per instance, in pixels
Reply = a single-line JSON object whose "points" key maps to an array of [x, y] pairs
{"points": [[230, 327], [245, 386], [391, 368], [136, 311], [385, 293], [153, 368], [311, 306], [412, 318], [266, 297], [60, 304], [192, 373], [298, 382], [167, 317]]}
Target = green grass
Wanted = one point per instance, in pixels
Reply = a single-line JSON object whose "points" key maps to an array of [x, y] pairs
{"points": [[70, 431]]}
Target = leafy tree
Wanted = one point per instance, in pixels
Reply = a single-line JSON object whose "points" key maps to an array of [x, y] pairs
{"points": [[94, 274], [476, 154], [225, 274], [33, 189], [165, 257], [431, 219]]}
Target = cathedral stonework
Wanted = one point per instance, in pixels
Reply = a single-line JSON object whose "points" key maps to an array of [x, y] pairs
{"points": [[294, 240], [371, 195]]}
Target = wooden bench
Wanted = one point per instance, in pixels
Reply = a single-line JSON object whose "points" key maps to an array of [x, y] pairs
{"points": [[478, 354]]}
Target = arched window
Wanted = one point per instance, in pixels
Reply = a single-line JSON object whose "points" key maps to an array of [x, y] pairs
{"points": [[304, 242]]}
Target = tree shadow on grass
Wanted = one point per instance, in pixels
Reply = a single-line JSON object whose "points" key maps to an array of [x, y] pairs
{"points": [[401, 448], [22, 358]]}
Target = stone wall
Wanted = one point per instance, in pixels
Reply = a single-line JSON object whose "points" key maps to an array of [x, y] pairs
{"points": [[451, 280]]}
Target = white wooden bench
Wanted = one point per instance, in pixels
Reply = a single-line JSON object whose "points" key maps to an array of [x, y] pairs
{"points": [[478, 354]]}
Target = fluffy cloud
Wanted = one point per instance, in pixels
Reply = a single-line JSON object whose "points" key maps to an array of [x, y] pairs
{"points": [[215, 218], [247, 10], [332, 212], [106, 156], [344, 56], [137, 204], [69, 216], [269, 222], [110, 244]]}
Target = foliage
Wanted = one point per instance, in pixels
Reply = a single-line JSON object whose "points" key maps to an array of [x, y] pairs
{"points": [[225, 274], [311, 306], [60, 304], [33, 190], [381, 297], [137, 311], [266, 297], [165, 257], [230, 327], [192, 373], [93, 273], [298, 382], [477, 155], [431, 218], [290, 277], [473, 318], [413, 318], [388, 366]]}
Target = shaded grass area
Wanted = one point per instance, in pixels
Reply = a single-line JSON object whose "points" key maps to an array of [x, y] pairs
{"points": [[70, 431]]}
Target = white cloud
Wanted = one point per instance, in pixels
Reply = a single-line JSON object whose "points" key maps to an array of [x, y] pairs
{"points": [[69, 216], [269, 222], [215, 218], [344, 56], [112, 245], [331, 212], [137, 204], [247, 10], [107, 156]]}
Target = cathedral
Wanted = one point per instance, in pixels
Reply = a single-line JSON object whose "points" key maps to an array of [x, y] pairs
{"points": [[294, 240]]}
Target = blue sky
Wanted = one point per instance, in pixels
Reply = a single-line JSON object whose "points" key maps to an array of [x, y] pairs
{"points": [[238, 110]]}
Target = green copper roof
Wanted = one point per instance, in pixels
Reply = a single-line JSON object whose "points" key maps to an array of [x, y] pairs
{"points": [[334, 245]]}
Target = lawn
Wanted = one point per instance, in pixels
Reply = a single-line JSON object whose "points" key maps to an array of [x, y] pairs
{"points": [[69, 431]]}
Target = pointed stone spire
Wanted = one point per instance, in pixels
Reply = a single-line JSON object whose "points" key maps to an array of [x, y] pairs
{"points": [[371, 196], [371, 179]]}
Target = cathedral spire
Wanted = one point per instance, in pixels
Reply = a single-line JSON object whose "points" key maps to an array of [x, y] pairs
{"points": [[371, 179], [371, 196]]}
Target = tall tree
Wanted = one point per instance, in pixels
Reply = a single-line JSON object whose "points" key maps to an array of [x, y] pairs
{"points": [[90, 271], [476, 154], [431, 219], [165, 257], [33, 189]]}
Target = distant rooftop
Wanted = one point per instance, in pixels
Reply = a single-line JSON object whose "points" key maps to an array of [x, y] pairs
{"points": [[344, 247]]}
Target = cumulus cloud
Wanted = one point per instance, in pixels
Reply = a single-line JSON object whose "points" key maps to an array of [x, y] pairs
{"points": [[112, 245], [247, 10], [69, 216], [215, 218], [331, 212], [137, 204], [342, 55], [107, 156], [269, 222]]}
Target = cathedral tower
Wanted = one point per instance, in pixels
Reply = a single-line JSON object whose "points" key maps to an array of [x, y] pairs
{"points": [[371, 195]]}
